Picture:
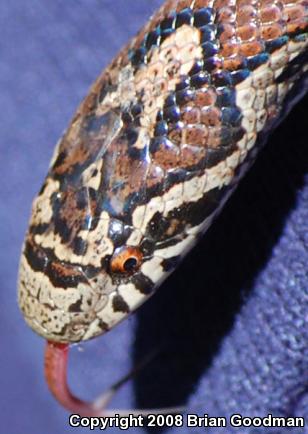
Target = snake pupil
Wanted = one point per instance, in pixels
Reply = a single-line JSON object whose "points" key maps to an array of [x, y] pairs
{"points": [[130, 264]]}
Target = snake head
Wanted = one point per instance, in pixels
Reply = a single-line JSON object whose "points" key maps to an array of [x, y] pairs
{"points": [[151, 156], [79, 275], [96, 244], [110, 222], [82, 270], [68, 295]]}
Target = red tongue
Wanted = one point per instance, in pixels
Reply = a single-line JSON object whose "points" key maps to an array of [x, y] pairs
{"points": [[56, 363]]}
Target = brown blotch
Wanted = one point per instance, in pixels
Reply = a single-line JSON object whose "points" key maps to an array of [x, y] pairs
{"points": [[248, 32], [175, 135], [64, 270], [251, 48], [270, 14], [211, 116], [126, 176], [167, 157], [271, 32], [246, 15], [229, 49], [205, 97], [196, 135], [122, 167], [192, 155], [72, 213], [138, 174], [80, 144], [191, 115], [78, 155], [233, 64]]}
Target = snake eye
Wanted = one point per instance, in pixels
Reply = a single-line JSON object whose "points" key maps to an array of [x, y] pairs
{"points": [[126, 260]]}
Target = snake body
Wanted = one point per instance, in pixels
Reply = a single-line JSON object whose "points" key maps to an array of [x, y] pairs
{"points": [[152, 154]]}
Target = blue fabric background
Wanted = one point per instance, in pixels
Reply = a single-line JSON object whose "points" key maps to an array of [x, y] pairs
{"points": [[230, 328]]}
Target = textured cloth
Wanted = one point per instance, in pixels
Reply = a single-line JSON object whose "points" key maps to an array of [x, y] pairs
{"points": [[229, 329]]}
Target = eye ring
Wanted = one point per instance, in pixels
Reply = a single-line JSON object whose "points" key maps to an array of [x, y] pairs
{"points": [[126, 260]]}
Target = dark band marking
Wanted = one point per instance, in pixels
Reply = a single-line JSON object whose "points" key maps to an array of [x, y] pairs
{"points": [[76, 307], [119, 304], [143, 283], [170, 264], [61, 274], [36, 257]]}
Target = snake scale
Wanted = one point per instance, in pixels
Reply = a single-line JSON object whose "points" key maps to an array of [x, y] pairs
{"points": [[152, 154]]}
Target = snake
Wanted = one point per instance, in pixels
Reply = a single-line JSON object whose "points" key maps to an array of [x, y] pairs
{"points": [[149, 159]]}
